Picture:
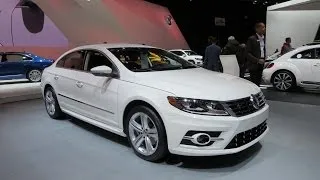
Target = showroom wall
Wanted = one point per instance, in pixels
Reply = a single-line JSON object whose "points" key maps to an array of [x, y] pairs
{"points": [[298, 19], [60, 24]]}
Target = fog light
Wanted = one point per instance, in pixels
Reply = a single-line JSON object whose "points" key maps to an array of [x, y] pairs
{"points": [[201, 139]]}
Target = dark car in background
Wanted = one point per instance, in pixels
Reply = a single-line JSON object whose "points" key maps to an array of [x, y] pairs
{"points": [[22, 65]]}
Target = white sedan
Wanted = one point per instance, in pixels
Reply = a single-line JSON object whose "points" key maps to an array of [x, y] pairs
{"points": [[189, 55], [161, 102], [300, 67]]}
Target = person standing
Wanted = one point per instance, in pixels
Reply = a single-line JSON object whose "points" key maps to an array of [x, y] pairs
{"points": [[241, 58], [232, 46], [256, 51], [212, 56], [286, 46]]}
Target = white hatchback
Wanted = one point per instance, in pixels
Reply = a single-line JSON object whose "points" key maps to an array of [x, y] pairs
{"points": [[161, 102], [300, 67]]}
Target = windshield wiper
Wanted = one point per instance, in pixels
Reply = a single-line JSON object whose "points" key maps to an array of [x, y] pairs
{"points": [[142, 70], [158, 68]]}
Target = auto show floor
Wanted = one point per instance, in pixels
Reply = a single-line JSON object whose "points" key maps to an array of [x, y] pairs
{"points": [[33, 146]]}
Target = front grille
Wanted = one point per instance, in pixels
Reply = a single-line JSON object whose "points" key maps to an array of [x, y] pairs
{"points": [[247, 136], [245, 106]]}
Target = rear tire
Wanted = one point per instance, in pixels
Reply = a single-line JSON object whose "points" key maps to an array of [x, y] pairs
{"points": [[283, 81], [34, 75], [52, 104], [146, 134]]}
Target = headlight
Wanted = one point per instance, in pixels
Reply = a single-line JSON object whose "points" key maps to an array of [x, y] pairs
{"points": [[197, 106]]}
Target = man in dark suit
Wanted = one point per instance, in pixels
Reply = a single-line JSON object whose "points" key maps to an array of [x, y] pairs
{"points": [[256, 53], [212, 56]]}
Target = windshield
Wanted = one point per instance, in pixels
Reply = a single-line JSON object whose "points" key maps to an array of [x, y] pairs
{"points": [[149, 59], [190, 53]]}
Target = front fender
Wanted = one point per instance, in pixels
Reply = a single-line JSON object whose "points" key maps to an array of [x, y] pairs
{"points": [[129, 92]]}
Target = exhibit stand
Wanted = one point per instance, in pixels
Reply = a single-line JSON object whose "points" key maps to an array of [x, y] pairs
{"points": [[19, 92], [230, 65]]}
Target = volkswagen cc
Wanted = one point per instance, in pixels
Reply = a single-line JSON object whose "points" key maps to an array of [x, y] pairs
{"points": [[159, 101]]}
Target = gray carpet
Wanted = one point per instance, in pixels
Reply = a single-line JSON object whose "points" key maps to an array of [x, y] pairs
{"points": [[35, 147]]}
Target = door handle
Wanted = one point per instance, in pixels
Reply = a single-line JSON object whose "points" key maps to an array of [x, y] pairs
{"points": [[56, 77], [316, 65], [79, 84]]}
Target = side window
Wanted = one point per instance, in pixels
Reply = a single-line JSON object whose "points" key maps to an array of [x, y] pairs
{"points": [[16, 58], [95, 58], [74, 60], [179, 53], [307, 54], [317, 55]]}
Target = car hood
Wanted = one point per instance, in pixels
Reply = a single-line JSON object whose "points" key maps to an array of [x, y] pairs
{"points": [[198, 83]]}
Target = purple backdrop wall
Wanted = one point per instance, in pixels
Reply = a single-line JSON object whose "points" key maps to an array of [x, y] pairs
{"points": [[24, 32]]}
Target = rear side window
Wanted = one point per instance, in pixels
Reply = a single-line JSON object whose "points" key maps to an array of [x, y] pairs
{"points": [[74, 60], [15, 58], [307, 54]]}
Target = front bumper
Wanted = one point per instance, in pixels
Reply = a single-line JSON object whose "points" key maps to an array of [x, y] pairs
{"points": [[180, 123]]}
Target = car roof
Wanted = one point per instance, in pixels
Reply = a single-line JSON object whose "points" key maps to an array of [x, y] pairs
{"points": [[14, 53], [113, 45], [305, 47]]}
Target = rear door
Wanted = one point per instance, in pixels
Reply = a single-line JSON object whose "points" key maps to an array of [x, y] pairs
{"points": [[66, 85]]}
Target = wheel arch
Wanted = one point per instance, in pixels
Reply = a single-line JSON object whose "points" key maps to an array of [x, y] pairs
{"points": [[279, 70], [135, 103], [290, 67], [46, 87]]}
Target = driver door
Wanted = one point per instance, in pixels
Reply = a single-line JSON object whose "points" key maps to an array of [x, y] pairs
{"points": [[304, 62]]}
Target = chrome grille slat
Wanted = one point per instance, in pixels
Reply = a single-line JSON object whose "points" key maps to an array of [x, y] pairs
{"points": [[244, 106]]}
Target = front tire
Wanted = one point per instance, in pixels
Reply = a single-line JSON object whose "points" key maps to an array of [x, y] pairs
{"points": [[284, 80], [34, 75], [52, 105], [146, 134]]}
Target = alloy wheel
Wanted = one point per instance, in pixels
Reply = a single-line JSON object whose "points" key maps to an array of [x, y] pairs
{"points": [[143, 134], [34, 75], [50, 103], [283, 81]]}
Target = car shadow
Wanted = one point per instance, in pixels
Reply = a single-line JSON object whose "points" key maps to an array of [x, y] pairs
{"points": [[298, 95], [99, 131], [230, 162], [212, 162]]}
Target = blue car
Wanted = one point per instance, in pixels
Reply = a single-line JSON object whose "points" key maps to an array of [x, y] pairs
{"points": [[20, 65]]}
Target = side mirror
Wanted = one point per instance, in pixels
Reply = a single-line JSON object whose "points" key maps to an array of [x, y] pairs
{"points": [[299, 56], [104, 71]]}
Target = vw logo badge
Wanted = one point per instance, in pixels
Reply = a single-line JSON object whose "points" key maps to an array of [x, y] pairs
{"points": [[255, 101], [168, 19]]}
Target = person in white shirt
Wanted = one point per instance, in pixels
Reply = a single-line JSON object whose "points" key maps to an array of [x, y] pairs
{"points": [[256, 50]]}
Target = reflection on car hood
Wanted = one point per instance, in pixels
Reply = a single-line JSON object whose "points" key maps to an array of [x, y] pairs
{"points": [[198, 83]]}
